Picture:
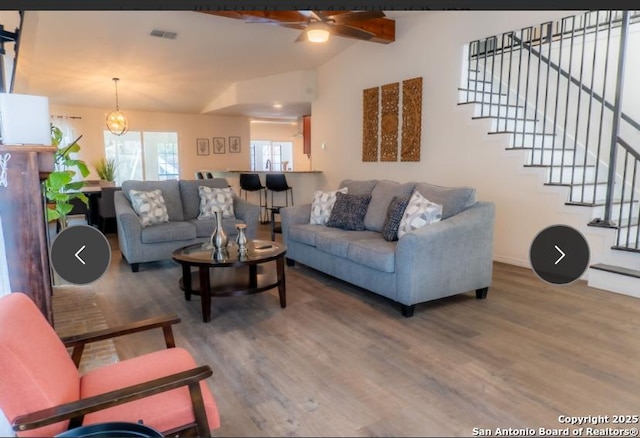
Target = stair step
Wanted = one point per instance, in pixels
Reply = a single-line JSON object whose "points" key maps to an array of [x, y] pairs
{"points": [[486, 104], [625, 222], [548, 134], [608, 277], [624, 248], [480, 81], [518, 119], [471, 90], [575, 184], [495, 111], [597, 203], [617, 270], [548, 148], [554, 166]]}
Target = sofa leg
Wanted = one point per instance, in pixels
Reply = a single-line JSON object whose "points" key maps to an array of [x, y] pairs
{"points": [[407, 311], [481, 294], [135, 267], [290, 262]]}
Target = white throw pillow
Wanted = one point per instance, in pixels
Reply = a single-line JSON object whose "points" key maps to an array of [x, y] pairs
{"points": [[419, 212], [322, 205], [149, 206], [212, 199]]}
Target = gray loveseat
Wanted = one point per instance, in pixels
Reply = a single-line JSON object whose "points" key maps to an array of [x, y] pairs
{"points": [[438, 260], [157, 242]]}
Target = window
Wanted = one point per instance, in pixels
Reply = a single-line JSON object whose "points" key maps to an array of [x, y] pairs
{"points": [[270, 155], [143, 155]]}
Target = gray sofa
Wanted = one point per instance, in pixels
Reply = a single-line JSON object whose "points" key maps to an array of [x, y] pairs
{"points": [[438, 260], [157, 242]]}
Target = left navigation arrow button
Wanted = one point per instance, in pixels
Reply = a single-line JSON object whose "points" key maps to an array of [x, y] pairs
{"points": [[80, 254], [82, 249]]}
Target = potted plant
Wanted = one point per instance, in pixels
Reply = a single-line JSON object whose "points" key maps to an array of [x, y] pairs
{"points": [[60, 188], [106, 169]]}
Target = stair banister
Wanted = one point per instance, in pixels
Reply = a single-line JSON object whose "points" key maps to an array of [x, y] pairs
{"points": [[624, 33], [575, 81]]}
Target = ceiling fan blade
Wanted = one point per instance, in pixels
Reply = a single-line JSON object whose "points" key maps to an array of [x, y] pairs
{"points": [[291, 24], [312, 15], [350, 32], [351, 16]]}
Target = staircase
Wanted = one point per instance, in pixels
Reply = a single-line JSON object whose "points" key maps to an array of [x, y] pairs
{"points": [[556, 91]]}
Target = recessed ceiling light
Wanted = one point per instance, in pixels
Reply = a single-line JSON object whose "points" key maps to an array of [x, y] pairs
{"points": [[277, 105]]}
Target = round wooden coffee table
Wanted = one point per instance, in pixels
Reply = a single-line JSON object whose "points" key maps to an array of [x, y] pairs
{"points": [[242, 279]]}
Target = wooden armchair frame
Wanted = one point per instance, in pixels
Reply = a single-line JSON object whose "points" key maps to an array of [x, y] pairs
{"points": [[75, 411]]}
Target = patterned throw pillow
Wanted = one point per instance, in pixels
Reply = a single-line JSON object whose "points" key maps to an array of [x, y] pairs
{"points": [[149, 206], [419, 212], [348, 212], [395, 212], [212, 199], [322, 205]]}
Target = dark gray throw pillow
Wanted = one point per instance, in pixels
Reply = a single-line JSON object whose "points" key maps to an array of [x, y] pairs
{"points": [[396, 209], [348, 212]]}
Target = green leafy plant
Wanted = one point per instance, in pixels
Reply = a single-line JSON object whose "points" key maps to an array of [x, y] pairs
{"points": [[60, 188], [106, 169]]}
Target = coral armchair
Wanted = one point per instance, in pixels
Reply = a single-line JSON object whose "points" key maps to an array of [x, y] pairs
{"points": [[43, 394]]}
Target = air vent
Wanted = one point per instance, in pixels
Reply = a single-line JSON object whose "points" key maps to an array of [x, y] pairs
{"points": [[163, 34]]}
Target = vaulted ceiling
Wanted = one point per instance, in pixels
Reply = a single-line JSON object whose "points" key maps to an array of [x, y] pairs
{"points": [[72, 56]]}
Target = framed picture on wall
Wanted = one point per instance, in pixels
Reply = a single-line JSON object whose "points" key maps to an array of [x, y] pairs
{"points": [[234, 145], [202, 146], [218, 145]]}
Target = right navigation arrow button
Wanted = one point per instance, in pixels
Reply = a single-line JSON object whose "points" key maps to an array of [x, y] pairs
{"points": [[562, 254], [559, 254]]}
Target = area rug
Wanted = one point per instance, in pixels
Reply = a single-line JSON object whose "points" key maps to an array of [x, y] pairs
{"points": [[76, 311]]}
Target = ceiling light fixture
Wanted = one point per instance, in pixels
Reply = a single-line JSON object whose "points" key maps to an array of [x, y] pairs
{"points": [[318, 32], [116, 121], [277, 105]]}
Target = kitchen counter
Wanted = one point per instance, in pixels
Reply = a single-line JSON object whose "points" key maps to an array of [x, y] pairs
{"points": [[261, 171], [304, 183]]}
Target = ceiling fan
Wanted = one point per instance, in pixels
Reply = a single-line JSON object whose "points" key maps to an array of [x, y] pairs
{"points": [[339, 24], [361, 25]]}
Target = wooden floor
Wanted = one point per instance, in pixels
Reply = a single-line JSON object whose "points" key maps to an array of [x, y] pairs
{"points": [[340, 361]]}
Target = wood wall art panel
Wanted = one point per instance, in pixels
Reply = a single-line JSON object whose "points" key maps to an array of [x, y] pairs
{"points": [[389, 122], [411, 119], [370, 99]]}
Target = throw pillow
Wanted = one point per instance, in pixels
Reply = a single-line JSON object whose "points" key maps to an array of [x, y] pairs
{"points": [[419, 212], [395, 212], [322, 205], [212, 199], [149, 206], [348, 212]]}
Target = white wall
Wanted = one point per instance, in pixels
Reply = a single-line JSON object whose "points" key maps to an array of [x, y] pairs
{"points": [[454, 149], [188, 126]]}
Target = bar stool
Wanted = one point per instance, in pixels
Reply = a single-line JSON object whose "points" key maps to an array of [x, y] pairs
{"points": [[250, 182], [277, 182], [276, 227]]}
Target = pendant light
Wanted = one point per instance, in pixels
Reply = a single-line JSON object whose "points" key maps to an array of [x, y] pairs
{"points": [[116, 121]]}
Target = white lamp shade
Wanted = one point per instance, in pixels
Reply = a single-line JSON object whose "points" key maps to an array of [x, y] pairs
{"points": [[24, 119]]}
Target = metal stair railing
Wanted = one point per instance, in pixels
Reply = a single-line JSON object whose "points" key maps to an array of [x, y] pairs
{"points": [[554, 98]]}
